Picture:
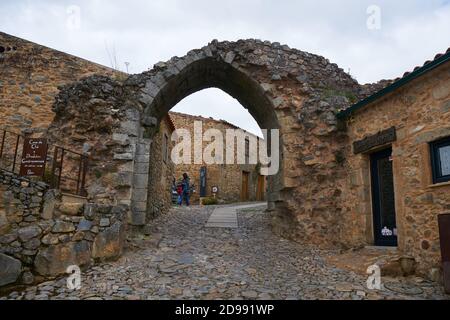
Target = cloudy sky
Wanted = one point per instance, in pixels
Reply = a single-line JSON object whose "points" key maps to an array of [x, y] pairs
{"points": [[348, 32]]}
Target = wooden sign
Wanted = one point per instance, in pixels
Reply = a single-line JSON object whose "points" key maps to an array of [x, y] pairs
{"points": [[379, 139], [34, 157]]}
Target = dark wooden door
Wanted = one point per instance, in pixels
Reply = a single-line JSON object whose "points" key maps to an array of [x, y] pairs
{"points": [[245, 182], [383, 199], [260, 188]]}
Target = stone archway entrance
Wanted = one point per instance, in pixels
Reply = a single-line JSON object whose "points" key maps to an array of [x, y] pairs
{"points": [[283, 88], [168, 83]]}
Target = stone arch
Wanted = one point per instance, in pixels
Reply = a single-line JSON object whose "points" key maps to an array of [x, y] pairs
{"points": [[284, 88], [209, 73], [168, 83]]}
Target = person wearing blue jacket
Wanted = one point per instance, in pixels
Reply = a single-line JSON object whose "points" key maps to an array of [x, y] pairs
{"points": [[186, 189]]}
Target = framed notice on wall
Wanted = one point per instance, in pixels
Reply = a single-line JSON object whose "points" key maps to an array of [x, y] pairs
{"points": [[34, 157]]}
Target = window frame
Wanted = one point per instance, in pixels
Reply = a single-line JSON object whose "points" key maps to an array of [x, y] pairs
{"points": [[247, 150], [436, 166]]}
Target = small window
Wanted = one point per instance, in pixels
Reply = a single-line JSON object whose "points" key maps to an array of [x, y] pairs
{"points": [[247, 150], [440, 159]]}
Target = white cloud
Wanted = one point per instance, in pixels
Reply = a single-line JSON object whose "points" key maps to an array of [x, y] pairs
{"points": [[145, 32]]}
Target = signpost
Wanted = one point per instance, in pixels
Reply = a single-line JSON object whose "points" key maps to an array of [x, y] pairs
{"points": [[34, 157], [215, 191]]}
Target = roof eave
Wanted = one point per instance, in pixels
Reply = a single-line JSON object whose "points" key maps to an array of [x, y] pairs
{"points": [[394, 86]]}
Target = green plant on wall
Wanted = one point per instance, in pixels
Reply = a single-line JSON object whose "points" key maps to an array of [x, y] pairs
{"points": [[257, 170], [48, 177], [97, 173], [332, 92], [209, 201]]}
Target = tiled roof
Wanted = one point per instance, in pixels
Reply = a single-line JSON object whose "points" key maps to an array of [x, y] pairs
{"points": [[439, 55], [389, 86]]}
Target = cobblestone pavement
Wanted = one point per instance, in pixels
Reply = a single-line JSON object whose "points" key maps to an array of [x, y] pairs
{"points": [[184, 260]]}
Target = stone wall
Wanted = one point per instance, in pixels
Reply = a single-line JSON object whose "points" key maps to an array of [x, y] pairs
{"points": [[228, 178], [41, 234], [420, 113], [95, 116], [162, 171], [30, 77]]}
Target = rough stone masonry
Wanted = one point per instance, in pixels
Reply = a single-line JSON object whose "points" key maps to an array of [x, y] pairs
{"points": [[283, 88]]}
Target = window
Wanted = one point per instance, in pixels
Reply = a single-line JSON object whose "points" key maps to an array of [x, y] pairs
{"points": [[440, 159], [247, 150]]}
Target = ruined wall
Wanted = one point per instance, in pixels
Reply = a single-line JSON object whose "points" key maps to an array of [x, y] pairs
{"points": [[227, 177], [29, 78], [420, 112], [42, 234], [161, 171], [94, 115]]}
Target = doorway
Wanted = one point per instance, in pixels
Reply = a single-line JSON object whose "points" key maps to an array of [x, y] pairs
{"points": [[383, 199], [260, 188], [245, 183]]}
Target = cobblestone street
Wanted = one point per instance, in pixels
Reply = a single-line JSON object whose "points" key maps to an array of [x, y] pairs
{"points": [[182, 259]]}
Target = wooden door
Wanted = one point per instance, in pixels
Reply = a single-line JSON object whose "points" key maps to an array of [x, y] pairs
{"points": [[383, 199], [245, 183], [260, 188]]}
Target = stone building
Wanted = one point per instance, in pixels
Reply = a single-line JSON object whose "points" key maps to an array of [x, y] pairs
{"points": [[30, 75], [399, 164], [234, 182]]}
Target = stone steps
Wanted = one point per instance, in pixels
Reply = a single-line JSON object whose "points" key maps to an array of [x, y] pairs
{"points": [[226, 217]]}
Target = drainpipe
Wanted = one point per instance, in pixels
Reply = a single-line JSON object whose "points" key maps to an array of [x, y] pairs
{"points": [[444, 235]]}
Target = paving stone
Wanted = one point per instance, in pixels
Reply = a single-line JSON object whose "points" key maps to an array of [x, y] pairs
{"points": [[194, 262]]}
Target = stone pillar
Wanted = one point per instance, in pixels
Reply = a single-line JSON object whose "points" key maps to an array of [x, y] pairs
{"points": [[139, 190], [140, 182], [128, 137]]}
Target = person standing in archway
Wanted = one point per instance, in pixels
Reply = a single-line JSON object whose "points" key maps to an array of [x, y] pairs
{"points": [[186, 188]]}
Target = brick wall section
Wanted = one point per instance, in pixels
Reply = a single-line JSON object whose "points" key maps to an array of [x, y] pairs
{"points": [[29, 78], [227, 177], [421, 114]]}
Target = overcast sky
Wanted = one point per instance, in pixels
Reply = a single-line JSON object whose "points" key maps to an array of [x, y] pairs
{"points": [[145, 32]]}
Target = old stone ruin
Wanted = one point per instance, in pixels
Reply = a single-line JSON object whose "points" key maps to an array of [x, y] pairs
{"points": [[115, 119]]}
